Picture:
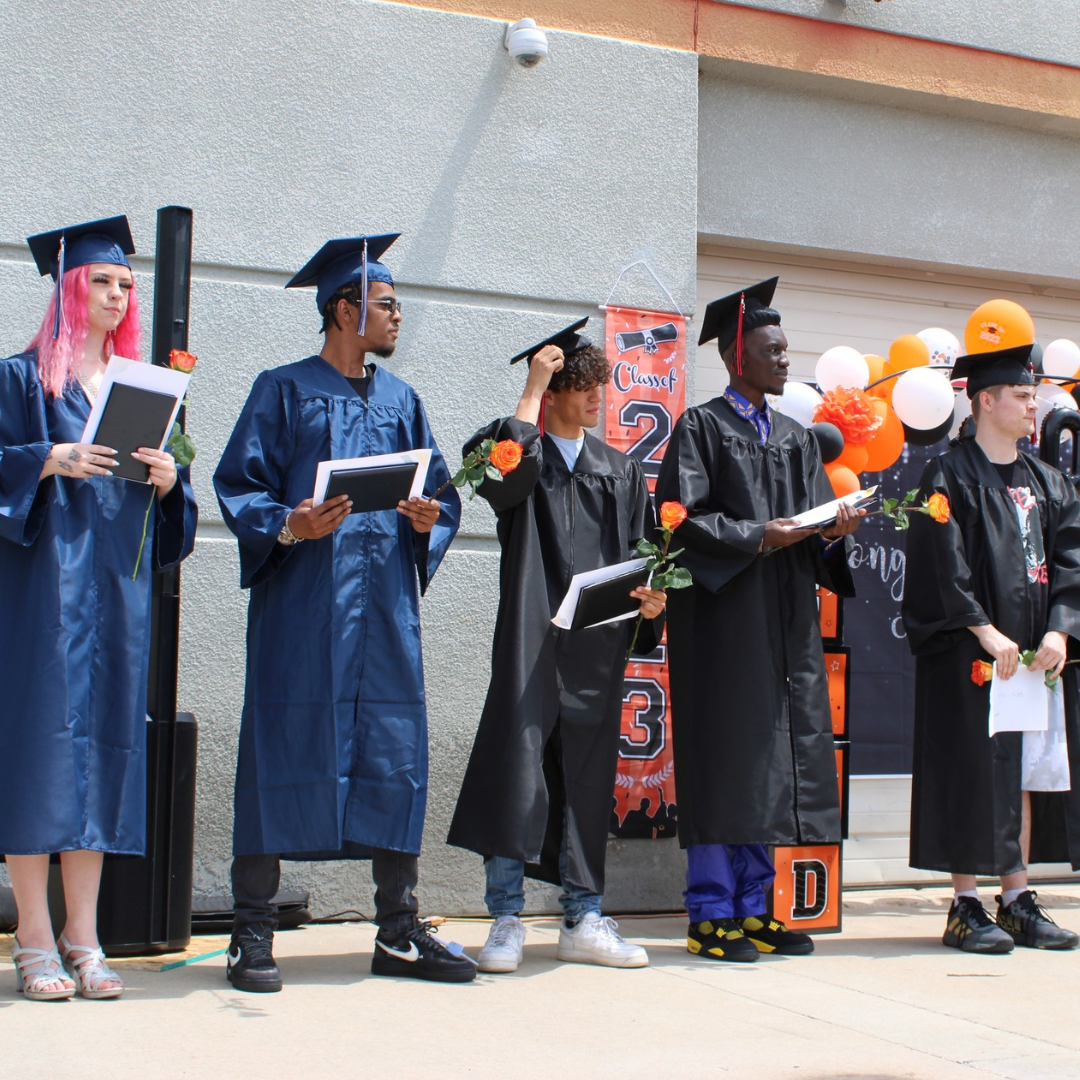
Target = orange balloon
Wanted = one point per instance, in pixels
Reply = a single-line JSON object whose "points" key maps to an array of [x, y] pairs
{"points": [[908, 351], [885, 448], [843, 480], [876, 364], [998, 324], [853, 458], [884, 391]]}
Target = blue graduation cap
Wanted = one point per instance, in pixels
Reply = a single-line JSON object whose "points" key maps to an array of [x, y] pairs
{"points": [[105, 241], [338, 262]]}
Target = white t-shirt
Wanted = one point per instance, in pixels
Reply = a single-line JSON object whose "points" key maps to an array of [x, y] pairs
{"points": [[569, 448]]}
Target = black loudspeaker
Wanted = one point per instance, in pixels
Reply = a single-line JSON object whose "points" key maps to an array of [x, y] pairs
{"points": [[145, 903]]}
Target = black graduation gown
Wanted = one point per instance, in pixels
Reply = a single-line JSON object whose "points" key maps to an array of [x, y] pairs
{"points": [[965, 798], [751, 722], [546, 748]]}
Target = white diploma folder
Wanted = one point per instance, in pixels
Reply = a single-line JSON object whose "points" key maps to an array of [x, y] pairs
{"points": [[421, 458], [564, 617], [1021, 703], [153, 377], [825, 514]]}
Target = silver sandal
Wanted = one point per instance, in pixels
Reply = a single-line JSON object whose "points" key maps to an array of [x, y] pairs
{"points": [[89, 971], [37, 968]]}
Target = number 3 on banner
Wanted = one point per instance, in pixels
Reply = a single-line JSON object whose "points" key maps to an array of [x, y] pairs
{"points": [[647, 448]]}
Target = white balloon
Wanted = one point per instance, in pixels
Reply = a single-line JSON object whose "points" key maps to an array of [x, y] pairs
{"points": [[1061, 357], [944, 345], [961, 411], [842, 366], [1055, 396], [922, 398], [799, 401]]}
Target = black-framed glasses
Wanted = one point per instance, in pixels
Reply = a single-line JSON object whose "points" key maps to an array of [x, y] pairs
{"points": [[390, 306]]}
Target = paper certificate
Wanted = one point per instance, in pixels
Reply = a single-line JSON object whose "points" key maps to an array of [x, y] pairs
{"points": [[564, 617], [161, 380], [422, 458], [825, 514], [1021, 703]]}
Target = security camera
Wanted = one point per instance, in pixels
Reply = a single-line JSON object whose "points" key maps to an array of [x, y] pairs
{"points": [[526, 42]]}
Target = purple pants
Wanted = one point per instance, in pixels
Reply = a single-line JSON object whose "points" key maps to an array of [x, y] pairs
{"points": [[725, 881]]}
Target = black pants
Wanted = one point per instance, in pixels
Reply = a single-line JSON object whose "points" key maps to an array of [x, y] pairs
{"points": [[255, 880]]}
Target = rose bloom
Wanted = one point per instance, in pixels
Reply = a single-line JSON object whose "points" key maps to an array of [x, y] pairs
{"points": [[937, 506], [182, 361], [981, 672], [672, 515], [506, 456]]}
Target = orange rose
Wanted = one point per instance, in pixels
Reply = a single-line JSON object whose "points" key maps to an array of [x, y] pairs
{"points": [[672, 515], [981, 672], [937, 506], [182, 361], [506, 456]]}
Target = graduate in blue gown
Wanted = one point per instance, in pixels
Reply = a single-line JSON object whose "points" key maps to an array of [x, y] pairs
{"points": [[333, 738], [75, 634]]}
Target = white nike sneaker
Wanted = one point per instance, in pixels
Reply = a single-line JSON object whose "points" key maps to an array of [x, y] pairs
{"points": [[503, 949], [594, 941]]}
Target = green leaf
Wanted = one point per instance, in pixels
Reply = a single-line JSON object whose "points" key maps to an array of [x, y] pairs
{"points": [[180, 446], [672, 555], [644, 549], [680, 578], [902, 520], [492, 473], [1027, 657], [888, 505], [661, 581]]}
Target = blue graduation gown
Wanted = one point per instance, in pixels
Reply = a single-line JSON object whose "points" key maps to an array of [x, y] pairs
{"points": [[333, 737], [74, 630]]}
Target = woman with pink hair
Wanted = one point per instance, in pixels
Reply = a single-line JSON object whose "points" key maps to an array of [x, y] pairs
{"points": [[74, 637]]}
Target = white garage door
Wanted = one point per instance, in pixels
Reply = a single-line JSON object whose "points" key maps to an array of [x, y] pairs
{"points": [[826, 303]]}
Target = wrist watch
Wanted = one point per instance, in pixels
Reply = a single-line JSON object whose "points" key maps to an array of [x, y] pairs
{"points": [[287, 537]]}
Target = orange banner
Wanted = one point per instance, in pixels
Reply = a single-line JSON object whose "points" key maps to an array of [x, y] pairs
{"points": [[645, 397]]}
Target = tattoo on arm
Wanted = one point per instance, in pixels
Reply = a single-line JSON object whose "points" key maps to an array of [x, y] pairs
{"points": [[65, 466], [74, 455]]}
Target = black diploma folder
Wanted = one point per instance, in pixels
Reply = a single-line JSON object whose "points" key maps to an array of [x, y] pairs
{"points": [[134, 416], [380, 487], [604, 600]]}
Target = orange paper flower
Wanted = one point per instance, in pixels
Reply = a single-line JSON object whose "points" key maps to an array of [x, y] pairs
{"points": [[852, 411], [506, 456], [672, 515], [937, 506], [182, 361], [981, 672]]}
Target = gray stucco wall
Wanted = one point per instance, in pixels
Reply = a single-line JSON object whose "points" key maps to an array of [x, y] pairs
{"points": [[821, 173], [1041, 29], [521, 194]]}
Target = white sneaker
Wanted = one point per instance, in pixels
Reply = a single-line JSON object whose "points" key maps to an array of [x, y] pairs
{"points": [[594, 941], [502, 950]]}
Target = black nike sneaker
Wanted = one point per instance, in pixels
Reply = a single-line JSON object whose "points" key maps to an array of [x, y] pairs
{"points": [[772, 936], [416, 953], [720, 939], [250, 960], [969, 928], [1027, 923]]}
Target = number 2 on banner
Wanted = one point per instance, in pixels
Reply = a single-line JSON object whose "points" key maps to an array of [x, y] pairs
{"points": [[647, 449]]}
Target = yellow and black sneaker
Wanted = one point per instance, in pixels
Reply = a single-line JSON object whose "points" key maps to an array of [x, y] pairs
{"points": [[772, 936], [971, 929], [1027, 923], [719, 939]]}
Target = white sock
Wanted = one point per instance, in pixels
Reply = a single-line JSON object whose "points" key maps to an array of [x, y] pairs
{"points": [[1009, 895], [973, 893]]}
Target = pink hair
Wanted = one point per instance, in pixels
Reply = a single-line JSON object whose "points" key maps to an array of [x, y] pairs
{"points": [[59, 360]]}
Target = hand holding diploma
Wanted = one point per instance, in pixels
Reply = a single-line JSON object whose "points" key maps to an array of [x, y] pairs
{"points": [[162, 468], [309, 522], [422, 513]]}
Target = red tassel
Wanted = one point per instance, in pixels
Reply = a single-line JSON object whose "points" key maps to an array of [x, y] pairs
{"points": [[738, 334]]}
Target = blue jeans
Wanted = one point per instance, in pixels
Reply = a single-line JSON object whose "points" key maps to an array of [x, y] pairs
{"points": [[725, 881], [505, 893]]}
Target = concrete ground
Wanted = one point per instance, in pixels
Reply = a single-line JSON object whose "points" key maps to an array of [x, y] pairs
{"points": [[882, 999]]}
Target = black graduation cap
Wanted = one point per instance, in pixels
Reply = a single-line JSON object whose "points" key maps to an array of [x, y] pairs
{"points": [[337, 262], [567, 339], [1001, 367], [732, 316], [107, 240]]}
